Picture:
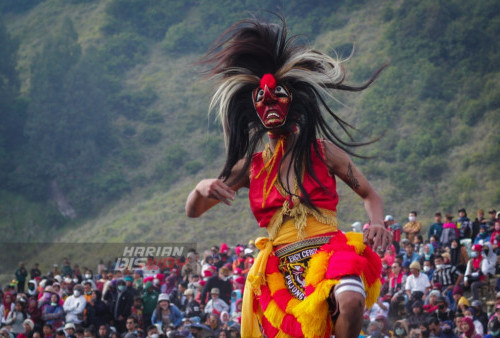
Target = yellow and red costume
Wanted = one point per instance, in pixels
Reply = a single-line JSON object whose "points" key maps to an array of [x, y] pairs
{"points": [[303, 258]]}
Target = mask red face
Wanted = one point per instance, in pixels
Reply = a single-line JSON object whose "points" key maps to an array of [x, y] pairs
{"points": [[271, 101]]}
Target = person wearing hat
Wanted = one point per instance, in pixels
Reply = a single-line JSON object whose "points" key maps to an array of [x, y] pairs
{"points": [[479, 314], [417, 283], [74, 305], [166, 313], [192, 306], [69, 329], [476, 271], [443, 312], [216, 304]]}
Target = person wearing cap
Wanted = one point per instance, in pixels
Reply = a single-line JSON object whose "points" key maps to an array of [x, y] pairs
{"points": [[221, 281], [74, 305], [477, 222], [443, 312], [417, 283], [479, 314], [166, 313], [437, 227], [215, 304], [476, 271], [192, 306]]}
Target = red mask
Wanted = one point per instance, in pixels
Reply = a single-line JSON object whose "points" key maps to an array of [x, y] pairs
{"points": [[271, 102]]}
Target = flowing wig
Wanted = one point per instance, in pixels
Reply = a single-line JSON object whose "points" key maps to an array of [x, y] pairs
{"points": [[239, 58]]}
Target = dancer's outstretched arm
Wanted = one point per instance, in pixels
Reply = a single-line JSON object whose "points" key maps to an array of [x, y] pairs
{"points": [[211, 191]]}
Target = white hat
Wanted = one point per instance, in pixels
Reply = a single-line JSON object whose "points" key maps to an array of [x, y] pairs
{"points": [[248, 251], [388, 218], [29, 322], [163, 296], [69, 326]]}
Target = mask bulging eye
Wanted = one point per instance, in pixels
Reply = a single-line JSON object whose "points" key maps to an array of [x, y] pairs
{"points": [[280, 91], [260, 95]]}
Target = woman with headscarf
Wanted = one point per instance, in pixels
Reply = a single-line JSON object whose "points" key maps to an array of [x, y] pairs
{"points": [[269, 84], [467, 328], [6, 307], [53, 312]]}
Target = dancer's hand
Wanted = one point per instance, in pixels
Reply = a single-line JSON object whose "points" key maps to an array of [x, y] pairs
{"points": [[377, 236], [216, 189]]}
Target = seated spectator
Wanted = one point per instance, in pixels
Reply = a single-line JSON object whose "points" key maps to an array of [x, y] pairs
{"points": [[192, 306], [431, 301], [494, 327], [410, 255], [48, 331], [468, 329], [16, 317], [215, 304], [443, 313], [446, 274], [495, 238], [428, 269], [478, 326], [417, 284], [476, 271], [479, 314], [458, 255], [166, 313], [482, 236], [401, 329], [417, 316], [53, 313]]}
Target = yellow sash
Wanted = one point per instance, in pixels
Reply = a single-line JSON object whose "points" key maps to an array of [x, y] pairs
{"points": [[257, 275]]}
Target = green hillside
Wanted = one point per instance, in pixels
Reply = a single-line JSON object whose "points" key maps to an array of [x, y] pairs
{"points": [[104, 127]]}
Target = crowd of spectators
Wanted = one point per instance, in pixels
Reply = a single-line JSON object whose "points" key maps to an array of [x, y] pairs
{"points": [[442, 286]]}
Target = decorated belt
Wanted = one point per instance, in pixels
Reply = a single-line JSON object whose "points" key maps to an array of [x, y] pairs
{"points": [[294, 260]]}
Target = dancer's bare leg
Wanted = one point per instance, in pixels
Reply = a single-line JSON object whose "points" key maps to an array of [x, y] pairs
{"points": [[351, 305]]}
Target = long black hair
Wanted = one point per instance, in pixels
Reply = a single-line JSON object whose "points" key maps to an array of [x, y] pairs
{"points": [[239, 58]]}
